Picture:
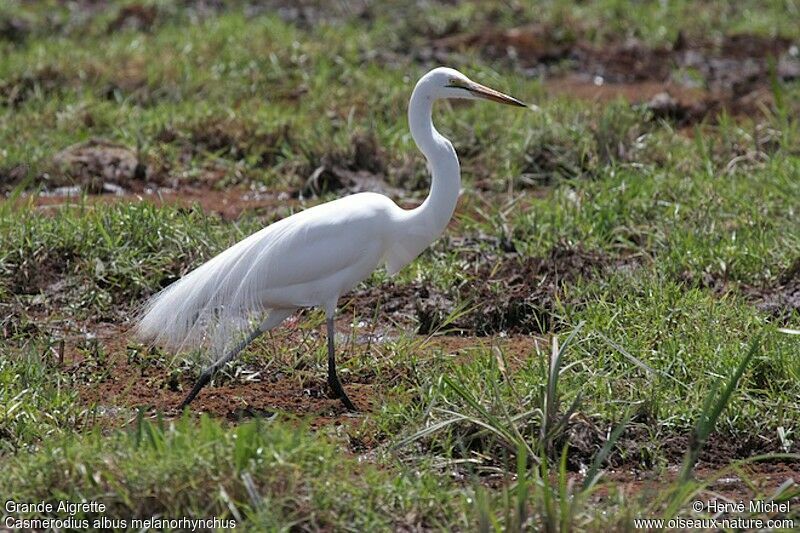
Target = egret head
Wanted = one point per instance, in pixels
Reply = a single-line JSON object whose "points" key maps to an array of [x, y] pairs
{"points": [[449, 83]]}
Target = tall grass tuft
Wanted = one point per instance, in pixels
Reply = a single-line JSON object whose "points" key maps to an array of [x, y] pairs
{"points": [[540, 492]]}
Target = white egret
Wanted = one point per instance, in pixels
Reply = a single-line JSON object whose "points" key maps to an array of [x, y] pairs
{"points": [[315, 256]]}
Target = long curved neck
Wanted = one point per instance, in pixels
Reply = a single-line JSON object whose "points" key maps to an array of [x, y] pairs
{"points": [[437, 209]]}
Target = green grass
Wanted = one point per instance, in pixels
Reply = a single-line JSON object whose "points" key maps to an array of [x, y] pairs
{"points": [[38, 402], [270, 475], [691, 229], [96, 261], [276, 475]]}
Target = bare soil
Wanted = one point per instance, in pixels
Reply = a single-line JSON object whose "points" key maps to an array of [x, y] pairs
{"points": [[121, 381]]}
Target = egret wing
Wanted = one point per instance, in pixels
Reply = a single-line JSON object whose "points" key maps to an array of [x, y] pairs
{"points": [[291, 263]]}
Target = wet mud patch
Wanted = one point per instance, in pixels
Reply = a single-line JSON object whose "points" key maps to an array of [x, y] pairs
{"points": [[500, 293], [692, 77]]}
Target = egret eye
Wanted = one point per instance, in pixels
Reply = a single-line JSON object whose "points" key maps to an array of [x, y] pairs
{"points": [[455, 83]]}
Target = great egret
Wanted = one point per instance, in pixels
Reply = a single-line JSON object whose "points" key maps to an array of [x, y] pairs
{"points": [[313, 257]]}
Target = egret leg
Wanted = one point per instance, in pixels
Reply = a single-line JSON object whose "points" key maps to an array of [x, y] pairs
{"points": [[333, 379], [207, 374]]}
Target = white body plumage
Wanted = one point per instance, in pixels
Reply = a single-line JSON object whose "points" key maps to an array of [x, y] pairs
{"points": [[315, 256]]}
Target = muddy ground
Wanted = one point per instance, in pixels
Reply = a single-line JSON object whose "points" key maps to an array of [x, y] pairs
{"points": [[121, 378], [114, 378]]}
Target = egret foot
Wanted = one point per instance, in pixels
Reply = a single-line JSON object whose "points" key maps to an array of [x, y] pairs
{"points": [[208, 373], [205, 377], [338, 390]]}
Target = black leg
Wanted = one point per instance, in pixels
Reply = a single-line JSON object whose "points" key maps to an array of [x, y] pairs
{"points": [[205, 377], [333, 379], [208, 373]]}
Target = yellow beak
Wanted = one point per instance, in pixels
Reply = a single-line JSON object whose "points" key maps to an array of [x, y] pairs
{"points": [[482, 91]]}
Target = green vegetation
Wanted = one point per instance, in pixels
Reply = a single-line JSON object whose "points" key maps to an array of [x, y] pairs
{"points": [[271, 475], [635, 272]]}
